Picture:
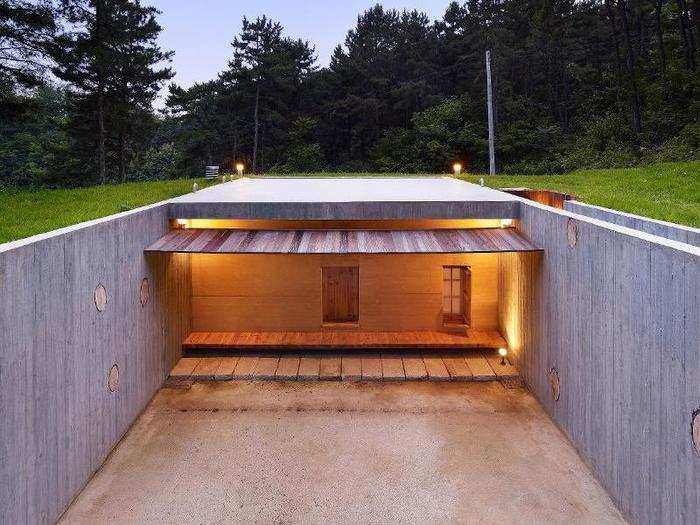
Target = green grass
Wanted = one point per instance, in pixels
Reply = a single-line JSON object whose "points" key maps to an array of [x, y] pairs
{"points": [[26, 213], [670, 192], [664, 191]]}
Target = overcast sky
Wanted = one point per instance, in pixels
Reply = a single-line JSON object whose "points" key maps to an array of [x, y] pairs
{"points": [[200, 32]]}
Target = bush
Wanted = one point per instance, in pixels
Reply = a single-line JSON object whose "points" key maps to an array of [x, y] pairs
{"points": [[682, 147], [440, 135], [304, 153], [606, 142], [302, 158], [161, 163]]}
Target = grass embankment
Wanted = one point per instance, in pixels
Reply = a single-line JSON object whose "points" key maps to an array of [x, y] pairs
{"points": [[669, 192], [26, 213]]}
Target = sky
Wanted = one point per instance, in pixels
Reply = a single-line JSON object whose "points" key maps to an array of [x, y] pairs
{"points": [[200, 32]]}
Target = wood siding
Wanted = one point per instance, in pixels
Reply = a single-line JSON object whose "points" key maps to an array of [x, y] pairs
{"points": [[397, 292], [58, 419], [615, 318]]}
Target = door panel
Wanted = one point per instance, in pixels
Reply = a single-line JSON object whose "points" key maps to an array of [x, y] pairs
{"points": [[341, 288]]}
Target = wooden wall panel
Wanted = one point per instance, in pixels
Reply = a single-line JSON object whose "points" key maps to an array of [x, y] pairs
{"points": [[59, 419], [617, 316], [283, 292]]}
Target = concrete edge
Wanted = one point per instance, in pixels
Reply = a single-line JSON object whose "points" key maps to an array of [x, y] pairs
{"points": [[622, 230], [11, 245], [612, 211], [350, 210]]}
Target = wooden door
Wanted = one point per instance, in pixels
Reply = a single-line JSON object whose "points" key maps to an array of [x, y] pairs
{"points": [[341, 290]]}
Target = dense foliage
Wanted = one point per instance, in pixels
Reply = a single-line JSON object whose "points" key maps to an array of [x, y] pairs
{"points": [[591, 83], [93, 127]]}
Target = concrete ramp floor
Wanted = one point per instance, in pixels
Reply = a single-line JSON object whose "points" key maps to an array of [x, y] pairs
{"points": [[343, 452]]}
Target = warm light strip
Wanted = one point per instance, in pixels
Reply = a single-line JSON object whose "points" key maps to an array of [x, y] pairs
{"points": [[425, 224]]}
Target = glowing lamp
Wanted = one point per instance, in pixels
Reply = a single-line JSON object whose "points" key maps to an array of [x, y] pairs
{"points": [[506, 223], [503, 353], [457, 168], [181, 223], [239, 168]]}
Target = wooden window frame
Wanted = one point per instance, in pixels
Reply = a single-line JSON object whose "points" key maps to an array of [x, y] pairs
{"points": [[464, 318]]}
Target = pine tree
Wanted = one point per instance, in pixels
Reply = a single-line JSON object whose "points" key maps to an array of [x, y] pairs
{"points": [[26, 36], [270, 68], [110, 59]]}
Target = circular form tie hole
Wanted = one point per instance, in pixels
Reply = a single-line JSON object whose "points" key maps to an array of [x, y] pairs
{"points": [[571, 232], [144, 292], [553, 377], [113, 378], [100, 298]]}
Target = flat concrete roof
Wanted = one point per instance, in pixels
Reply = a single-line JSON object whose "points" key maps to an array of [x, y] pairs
{"points": [[345, 198]]}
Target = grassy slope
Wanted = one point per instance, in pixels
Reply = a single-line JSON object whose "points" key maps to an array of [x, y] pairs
{"points": [[664, 191], [669, 192], [27, 213]]}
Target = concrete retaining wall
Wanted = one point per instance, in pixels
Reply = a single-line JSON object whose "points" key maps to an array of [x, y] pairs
{"points": [[58, 418], [608, 321], [669, 230]]}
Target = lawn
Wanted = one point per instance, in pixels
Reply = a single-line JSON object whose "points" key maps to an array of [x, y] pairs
{"points": [[664, 191], [27, 213], [669, 192]]}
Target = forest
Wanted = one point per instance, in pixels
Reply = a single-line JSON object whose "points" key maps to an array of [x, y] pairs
{"points": [[577, 84]]}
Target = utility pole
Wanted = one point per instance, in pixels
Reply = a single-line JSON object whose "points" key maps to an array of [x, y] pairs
{"points": [[489, 102]]}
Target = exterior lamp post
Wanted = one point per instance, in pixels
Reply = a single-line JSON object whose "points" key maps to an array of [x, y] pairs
{"points": [[457, 168], [239, 168]]}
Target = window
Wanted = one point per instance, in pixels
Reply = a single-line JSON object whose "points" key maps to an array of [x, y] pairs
{"points": [[456, 295]]}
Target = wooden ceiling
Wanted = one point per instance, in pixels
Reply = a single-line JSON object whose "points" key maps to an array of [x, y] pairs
{"points": [[476, 240]]}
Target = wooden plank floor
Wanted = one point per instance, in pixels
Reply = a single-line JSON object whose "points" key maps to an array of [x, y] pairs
{"points": [[431, 365], [343, 339]]}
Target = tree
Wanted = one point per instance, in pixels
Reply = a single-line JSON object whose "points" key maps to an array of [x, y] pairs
{"points": [[137, 82], [35, 149], [304, 152], [109, 59], [382, 75], [198, 126], [269, 69], [577, 83], [27, 30]]}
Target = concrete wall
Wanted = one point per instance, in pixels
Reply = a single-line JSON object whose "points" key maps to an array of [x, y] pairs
{"points": [[615, 320], [669, 230], [58, 418], [283, 292]]}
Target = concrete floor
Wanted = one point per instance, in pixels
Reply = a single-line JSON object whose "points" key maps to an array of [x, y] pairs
{"points": [[324, 452]]}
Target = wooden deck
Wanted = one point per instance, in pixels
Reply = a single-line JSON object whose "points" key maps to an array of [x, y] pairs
{"points": [[469, 365], [343, 339]]}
